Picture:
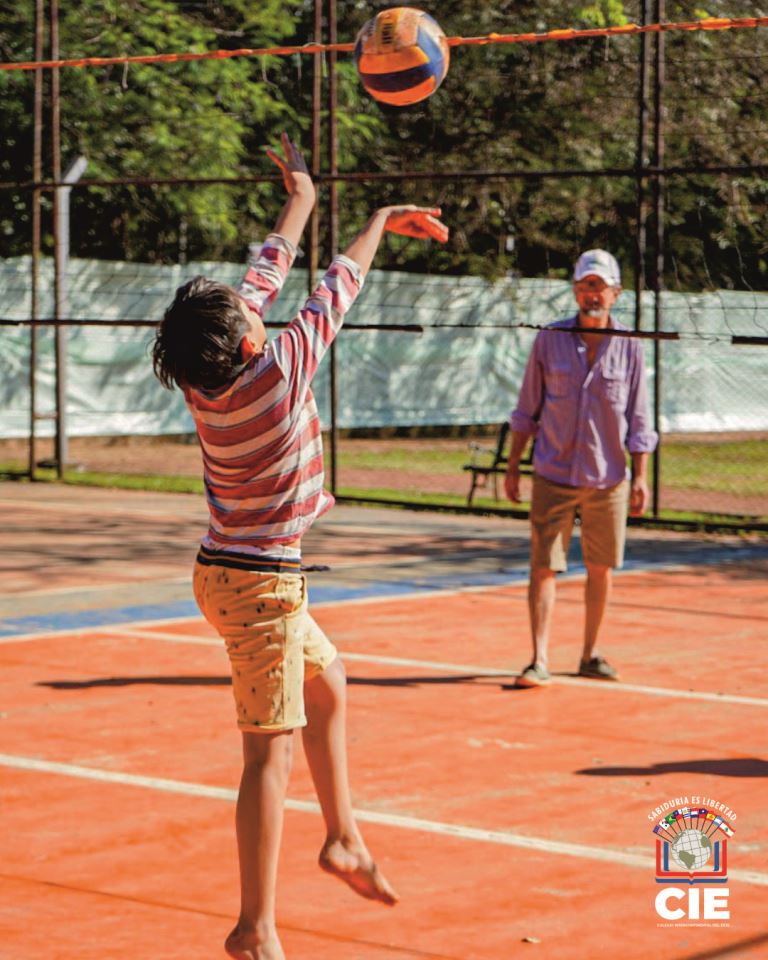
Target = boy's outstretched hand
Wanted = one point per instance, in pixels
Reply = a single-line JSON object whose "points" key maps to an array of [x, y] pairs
{"points": [[419, 222], [293, 167], [406, 219]]}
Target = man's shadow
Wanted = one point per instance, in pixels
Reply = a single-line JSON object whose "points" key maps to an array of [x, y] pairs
{"points": [[725, 767]]}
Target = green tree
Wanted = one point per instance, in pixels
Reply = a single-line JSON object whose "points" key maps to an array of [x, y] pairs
{"points": [[186, 119]]}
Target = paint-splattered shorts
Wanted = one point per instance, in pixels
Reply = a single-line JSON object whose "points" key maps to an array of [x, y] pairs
{"points": [[273, 643]]}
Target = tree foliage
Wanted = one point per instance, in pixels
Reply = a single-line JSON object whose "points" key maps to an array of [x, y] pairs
{"points": [[193, 120], [525, 107]]}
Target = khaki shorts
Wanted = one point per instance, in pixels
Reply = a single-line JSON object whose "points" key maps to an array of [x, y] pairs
{"points": [[603, 515], [273, 643]]}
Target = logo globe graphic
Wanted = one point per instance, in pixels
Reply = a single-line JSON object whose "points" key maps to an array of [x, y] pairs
{"points": [[692, 849]]}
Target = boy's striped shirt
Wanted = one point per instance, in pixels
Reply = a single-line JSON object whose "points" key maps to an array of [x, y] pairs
{"points": [[260, 435]]}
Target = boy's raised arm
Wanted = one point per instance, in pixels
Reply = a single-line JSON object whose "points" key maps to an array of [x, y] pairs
{"points": [[301, 191], [268, 264], [301, 346]]}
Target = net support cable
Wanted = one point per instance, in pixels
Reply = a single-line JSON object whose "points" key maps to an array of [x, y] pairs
{"points": [[420, 328], [625, 30]]}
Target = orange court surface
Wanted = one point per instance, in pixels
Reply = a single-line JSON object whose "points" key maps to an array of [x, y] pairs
{"points": [[513, 823]]}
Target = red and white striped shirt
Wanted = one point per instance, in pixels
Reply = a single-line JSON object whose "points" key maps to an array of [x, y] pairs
{"points": [[260, 435]]}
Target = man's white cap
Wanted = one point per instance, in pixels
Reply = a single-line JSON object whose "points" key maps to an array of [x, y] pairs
{"points": [[598, 263]]}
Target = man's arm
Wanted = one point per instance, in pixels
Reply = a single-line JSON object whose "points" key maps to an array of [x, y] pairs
{"points": [[524, 420], [519, 442], [641, 437], [639, 495]]}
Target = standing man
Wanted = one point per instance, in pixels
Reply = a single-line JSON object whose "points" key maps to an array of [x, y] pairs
{"points": [[585, 399]]}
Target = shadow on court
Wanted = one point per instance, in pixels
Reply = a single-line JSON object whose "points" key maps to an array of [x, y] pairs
{"points": [[417, 681], [136, 681], [726, 767], [195, 681], [732, 950]]}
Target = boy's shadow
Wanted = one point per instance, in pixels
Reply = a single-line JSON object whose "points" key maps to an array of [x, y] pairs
{"points": [[182, 681]]}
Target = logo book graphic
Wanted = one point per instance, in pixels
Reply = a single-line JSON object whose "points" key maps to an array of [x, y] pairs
{"points": [[692, 847]]}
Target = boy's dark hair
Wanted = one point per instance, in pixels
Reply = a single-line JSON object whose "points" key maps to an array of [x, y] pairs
{"points": [[198, 340]]}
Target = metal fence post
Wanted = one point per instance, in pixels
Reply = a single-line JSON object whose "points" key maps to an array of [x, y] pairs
{"points": [[659, 239], [333, 237], [60, 455], [317, 86], [37, 175], [641, 162]]}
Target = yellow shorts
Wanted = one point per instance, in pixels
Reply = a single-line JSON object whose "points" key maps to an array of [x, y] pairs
{"points": [[603, 515], [273, 643]]}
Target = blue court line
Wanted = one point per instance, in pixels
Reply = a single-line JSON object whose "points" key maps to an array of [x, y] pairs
{"points": [[403, 588], [321, 593], [111, 616], [178, 609]]}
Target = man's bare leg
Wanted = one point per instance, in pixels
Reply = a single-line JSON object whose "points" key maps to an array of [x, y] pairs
{"points": [[541, 604], [344, 853], [597, 591], [259, 820]]}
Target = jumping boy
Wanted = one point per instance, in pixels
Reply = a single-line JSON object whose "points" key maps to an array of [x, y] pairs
{"points": [[259, 432]]}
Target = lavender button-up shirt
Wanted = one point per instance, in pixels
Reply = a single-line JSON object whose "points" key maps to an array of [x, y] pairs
{"points": [[584, 419]]}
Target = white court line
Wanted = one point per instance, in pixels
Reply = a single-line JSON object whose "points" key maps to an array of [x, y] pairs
{"points": [[140, 626], [566, 681], [167, 637], [146, 634], [502, 838], [479, 671]]}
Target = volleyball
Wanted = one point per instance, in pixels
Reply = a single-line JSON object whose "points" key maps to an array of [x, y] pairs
{"points": [[402, 56]]}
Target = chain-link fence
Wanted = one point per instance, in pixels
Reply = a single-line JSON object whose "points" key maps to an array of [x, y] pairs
{"points": [[652, 147], [415, 408]]}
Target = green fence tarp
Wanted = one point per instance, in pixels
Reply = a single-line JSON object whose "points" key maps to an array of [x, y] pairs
{"points": [[447, 375]]}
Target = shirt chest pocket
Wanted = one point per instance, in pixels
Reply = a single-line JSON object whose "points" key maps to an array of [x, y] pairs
{"points": [[614, 386], [560, 382]]}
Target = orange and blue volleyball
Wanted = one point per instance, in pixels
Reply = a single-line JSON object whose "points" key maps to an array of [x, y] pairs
{"points": [[402, 56]]}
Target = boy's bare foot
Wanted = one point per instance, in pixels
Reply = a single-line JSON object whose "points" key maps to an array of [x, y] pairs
{"points": [[243, 946], [353, 864]]}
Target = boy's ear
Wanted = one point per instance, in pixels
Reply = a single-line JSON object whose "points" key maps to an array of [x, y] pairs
{"points": [[247, 349]]}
